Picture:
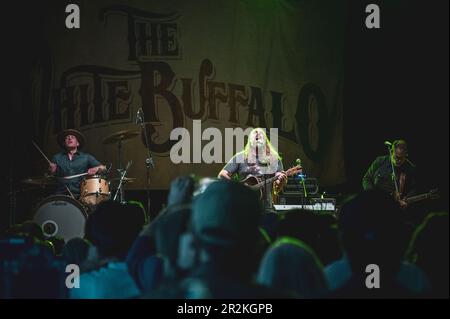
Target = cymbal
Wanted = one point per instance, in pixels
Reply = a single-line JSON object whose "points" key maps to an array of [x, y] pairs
{"points": [[40, 180], [126, 179], [120, 136]]}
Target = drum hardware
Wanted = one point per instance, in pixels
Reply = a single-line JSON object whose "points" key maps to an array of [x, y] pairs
{"points": [[125, 179], [118, 137], [140, 119], [71, 195], [120, 189]]}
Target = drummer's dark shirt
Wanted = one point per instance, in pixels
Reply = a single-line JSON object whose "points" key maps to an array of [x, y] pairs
{"points": [[79, 164]]}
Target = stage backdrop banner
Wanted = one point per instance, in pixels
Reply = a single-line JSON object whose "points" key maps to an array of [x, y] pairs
{"points": [[195, 65]]}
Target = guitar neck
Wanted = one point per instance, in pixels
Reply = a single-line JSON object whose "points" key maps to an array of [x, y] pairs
{"points": [[417, 198], [289, 172]]}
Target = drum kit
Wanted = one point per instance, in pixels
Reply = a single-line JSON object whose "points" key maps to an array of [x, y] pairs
{"points": [[65, 216]]}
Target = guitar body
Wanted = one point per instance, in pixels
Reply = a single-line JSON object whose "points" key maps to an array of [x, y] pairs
{"points": [[258, 183], [251, 181]]}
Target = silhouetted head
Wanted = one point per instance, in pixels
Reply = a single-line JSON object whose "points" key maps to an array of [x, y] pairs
{"points": [[292, 266], [76, 251], [168, 230], [224, 224], [112, 228], [372, 232], [399, 152], [227, 214]]}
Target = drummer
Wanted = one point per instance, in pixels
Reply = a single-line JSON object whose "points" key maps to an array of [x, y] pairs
{"points": [[71, 162]]}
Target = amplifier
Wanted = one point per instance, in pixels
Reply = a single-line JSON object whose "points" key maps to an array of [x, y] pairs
{"points": [[315, 204], [298, 186]]}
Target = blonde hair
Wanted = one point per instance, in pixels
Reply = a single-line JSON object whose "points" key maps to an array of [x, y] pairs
{"points": [[271, 153]]}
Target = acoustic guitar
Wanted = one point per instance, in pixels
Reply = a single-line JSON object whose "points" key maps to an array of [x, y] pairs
{"points": [[258, 183]]}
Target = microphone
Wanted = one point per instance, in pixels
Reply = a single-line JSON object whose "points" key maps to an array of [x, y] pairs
{"points": [[387, 143], [298, 161]]}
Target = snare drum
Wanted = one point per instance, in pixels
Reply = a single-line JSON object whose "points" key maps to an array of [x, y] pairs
{"points": [[61, 216], [94, 190]]}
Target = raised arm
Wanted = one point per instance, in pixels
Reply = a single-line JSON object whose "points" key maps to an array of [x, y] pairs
{"points": [[369, 176]]}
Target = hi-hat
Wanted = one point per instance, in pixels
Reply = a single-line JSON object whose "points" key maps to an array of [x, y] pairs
{"points": [[120, 136], [40, 180]]}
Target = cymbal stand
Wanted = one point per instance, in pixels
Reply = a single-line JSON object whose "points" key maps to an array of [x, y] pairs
{"points": [[123, 173], [119, 146]]}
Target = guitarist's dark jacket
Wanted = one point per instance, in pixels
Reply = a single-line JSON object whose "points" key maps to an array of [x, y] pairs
{"points": [[379, 175]]}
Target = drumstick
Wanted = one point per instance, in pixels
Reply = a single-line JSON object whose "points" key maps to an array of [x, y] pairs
{"points": [[74, 176], [41, 152], [65, 177]]}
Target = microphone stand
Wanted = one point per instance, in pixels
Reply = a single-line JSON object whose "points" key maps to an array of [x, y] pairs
{"points": [[302, 176], [393, 171], [305, 193], [149, 160]]}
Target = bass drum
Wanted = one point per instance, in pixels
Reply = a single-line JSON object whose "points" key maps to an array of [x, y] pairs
{"points": [[61, 216]]}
